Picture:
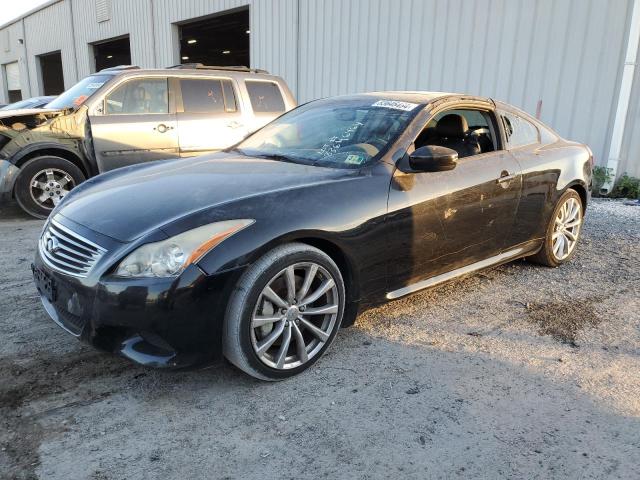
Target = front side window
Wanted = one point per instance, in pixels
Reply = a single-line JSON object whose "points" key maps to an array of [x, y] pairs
{"points": [[519, 132], [469, 132], [140, 96], [207, 95], [80, 92], [339, 132], [265, 97]]}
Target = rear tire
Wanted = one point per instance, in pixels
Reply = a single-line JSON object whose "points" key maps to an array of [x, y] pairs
{"points": [[271, 337], [43, 182], [563, 231]]}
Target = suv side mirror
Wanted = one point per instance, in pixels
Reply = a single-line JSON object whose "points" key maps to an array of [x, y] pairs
{"points": [[432, 158]]}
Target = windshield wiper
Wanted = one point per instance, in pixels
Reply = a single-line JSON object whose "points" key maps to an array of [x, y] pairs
{"points": [[235, 149], [281, 158]]}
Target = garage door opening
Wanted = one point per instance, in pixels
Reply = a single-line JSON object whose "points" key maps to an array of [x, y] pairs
{"points": [[219, 40], [51, 72], [12, 79], [112, 53]]}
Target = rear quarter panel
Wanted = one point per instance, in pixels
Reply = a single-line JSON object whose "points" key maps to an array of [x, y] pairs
{"points": [[547, 172]]}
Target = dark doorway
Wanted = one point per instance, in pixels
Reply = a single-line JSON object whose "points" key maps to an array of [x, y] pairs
{"points": [[51, 71], [112, 53], [219, 40]]}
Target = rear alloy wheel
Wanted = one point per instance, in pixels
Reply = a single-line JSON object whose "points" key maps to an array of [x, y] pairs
{"points": [[287, 316], [563, 231], [44, 182]]}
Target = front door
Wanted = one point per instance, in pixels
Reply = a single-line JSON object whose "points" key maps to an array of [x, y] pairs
{"points": [[447, 220], [135, 125], [209, 115]]}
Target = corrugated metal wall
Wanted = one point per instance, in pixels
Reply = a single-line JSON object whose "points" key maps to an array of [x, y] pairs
{"points": [[43, 34], [13, 51], [566, 54], [630, 155]]}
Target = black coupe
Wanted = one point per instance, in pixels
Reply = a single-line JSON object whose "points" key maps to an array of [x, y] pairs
{"points": [[262, 252]]}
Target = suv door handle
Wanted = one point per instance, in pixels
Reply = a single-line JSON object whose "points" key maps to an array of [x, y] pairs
{"points": [[505, 176], [163, 128]]}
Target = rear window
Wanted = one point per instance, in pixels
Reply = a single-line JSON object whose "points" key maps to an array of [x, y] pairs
{"points": [[207, 95], [519, 132], [265, 97]]}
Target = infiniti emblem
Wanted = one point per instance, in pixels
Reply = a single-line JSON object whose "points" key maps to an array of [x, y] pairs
{"points": [[53, 245]]}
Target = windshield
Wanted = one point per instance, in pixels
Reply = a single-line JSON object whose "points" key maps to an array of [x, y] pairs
{"points": [[76, 95], [336, 132]]}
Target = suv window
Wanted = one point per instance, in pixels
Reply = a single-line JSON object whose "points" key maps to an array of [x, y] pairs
{"points": [[145, 95], [519, 132], [207, 95], [265, 97]]}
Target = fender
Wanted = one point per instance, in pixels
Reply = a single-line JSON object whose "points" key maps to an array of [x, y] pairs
{"points": [[84, 163]]}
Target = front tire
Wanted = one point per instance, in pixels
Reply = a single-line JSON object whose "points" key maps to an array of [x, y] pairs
{"points": [[284, 312], [43, 182], [562, 232]]}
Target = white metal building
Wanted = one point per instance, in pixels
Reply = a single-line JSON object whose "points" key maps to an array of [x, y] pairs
{"points": [[572, 62]]}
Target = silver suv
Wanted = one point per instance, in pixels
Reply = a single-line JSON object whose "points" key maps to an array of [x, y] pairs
{"points": [[127, 115]]}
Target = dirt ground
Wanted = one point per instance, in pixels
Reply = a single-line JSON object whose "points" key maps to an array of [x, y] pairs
{"points": [[519, 372]]}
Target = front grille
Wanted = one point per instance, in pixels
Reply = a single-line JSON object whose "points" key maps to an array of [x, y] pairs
{"points": [[68, 252]]}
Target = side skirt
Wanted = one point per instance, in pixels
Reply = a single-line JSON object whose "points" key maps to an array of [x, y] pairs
{"points": [[520, 251]]}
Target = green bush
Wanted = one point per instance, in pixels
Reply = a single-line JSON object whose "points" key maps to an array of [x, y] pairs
{"points": [[626, 187], [601, 175]]}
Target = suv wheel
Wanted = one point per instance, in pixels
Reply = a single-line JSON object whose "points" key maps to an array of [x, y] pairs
{"points": [[43, 182], [284, 312], [563, 231]]}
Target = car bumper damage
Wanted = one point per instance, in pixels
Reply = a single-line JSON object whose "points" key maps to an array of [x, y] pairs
{"points": [[158, 322]]}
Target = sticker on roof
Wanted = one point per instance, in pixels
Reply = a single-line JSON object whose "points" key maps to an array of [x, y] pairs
{"points": [[93, 86], [395, 105]]}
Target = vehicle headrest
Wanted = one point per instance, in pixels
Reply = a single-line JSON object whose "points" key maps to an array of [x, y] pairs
{"points": [[452, 125]]}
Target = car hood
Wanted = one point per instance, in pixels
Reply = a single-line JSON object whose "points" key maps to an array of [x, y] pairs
{"points": [[26, 112], [130, 202]]}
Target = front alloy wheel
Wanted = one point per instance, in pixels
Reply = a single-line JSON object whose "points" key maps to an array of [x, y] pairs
{"points": [[43, 182], [284, 312], [294, 316]]}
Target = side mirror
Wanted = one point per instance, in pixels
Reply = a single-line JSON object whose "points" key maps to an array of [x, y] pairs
{"points": [[432, 158]]}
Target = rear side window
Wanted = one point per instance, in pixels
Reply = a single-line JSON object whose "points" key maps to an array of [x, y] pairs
{"points": [[207, 95], [265, 97], [519, 131], [145, 95]]}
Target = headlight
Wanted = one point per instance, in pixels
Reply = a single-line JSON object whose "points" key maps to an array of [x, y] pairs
{"points": [[169, 257]]}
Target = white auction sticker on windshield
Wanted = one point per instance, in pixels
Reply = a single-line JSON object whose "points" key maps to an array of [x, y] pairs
{"points": [[93, 86], [406, 106]]}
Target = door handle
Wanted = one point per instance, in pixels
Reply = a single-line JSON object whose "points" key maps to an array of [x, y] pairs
{"points": [[234, 124], [162, 128], [505, 177]]}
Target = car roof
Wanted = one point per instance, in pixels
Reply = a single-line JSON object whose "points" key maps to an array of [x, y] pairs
{"points": [[419, 97], [181, 72]]}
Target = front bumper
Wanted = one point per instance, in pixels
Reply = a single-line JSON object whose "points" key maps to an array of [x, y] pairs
{"points": [[175, 322], [8, 175]]}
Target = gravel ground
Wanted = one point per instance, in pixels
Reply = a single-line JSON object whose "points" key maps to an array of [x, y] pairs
{"points": [[518, 372]]}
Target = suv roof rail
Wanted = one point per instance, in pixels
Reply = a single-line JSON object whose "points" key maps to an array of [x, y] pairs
{"points": [[200, 66], [120, 68]]}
